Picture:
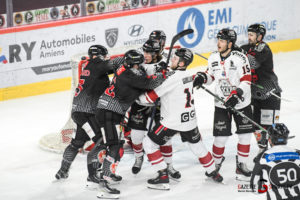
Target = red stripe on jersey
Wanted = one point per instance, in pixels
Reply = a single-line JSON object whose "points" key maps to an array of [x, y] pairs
{"points": [[152, 95], [159, 128], [121, 70], [246, 78]]}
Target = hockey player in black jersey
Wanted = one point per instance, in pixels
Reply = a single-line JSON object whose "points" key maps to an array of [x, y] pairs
{"points": [[266, 106], [129, 82], [92, 83], [277, 171]]}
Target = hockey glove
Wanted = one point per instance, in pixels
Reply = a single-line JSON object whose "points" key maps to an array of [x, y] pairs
{"points": [[199, 79], [162, 66], [233, 98]]}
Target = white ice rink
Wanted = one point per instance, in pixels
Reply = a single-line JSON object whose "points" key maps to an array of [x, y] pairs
{"points": [[27, 172]]}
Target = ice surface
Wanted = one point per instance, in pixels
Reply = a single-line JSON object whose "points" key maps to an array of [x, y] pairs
{"points": [[27, 172]]}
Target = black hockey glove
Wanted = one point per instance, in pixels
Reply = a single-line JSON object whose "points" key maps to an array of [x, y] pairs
{"points": [[233, 98], [199, 79], [161, 66]]}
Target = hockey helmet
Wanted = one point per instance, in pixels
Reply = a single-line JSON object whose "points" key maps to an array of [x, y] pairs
{"points": [[97, 50], [158, 35], [279, 133], [227, 34], [133, 57], [185, 55], [259, 29], [151, 46]]}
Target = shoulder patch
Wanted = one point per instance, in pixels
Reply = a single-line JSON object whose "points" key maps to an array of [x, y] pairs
{"points": [[260, 47]]}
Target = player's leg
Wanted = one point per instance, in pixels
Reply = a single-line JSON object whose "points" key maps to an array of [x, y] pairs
{"points": [[112, 139], [138, 118], [205, 158], [72, 149], [266, 112], [158, 136], [245, 131], [221, 133]]}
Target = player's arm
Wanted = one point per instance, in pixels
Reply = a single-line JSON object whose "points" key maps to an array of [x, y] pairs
{"points": [[261, 53], [206, 77], [152, 95], [244, 74], [256, 177]]}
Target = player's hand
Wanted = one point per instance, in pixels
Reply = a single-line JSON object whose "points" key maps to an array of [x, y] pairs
{"points": [[199, 79], [233, 98], [161, 66]]}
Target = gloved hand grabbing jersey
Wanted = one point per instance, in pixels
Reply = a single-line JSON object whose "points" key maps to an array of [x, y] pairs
{"points": [[162, 66], [233, 98], [199, 79]]}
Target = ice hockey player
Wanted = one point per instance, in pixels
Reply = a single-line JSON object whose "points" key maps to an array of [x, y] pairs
{"points": [[181, 120], [266, 107], [276, 172], [140, 116], [92, 83], [231, 72], [129, 82]]}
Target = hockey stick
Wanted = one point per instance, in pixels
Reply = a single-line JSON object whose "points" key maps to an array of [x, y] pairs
{"points": [[235, 110], [174, 40], [198, 54]]}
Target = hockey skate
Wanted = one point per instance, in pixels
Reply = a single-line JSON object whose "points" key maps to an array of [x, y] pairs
{"points": [[242, 172], [173, 173], [218, 166], [215, 176], [137, 165], [62, 174], [106, 192], [161, 182], [92, 182]]}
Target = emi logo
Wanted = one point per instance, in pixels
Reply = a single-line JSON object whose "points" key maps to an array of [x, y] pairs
{"points": [[111, 36], [136, 30]]}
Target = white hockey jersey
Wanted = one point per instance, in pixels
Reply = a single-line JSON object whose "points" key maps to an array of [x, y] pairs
{"points": [[234, 72], [177, 103]]}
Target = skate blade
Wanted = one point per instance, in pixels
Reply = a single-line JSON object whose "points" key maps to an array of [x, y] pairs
{"points": [[162, 186], [111, 182], [240, 177], [105, 195]]}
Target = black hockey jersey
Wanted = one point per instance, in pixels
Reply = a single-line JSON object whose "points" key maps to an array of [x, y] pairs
{"points": [[126, 86], [277, 173], [263, 70], [92, 83]]}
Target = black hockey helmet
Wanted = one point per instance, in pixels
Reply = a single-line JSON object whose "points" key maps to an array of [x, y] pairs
{"points": [[279, 133], [133, 57], [185, 55], [158, 35], [97, 50], [151, 46], [227, 34], [259, 29]]}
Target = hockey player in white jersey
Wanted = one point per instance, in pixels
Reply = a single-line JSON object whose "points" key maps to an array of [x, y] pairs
{"points": [[140, 116], [175, 92], [230, 71], [277, 172]]}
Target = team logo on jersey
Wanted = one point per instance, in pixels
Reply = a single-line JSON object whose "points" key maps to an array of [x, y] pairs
{"points": [[220, 125], [111, 36], [225, 87], [136, 30], [191, 18]]}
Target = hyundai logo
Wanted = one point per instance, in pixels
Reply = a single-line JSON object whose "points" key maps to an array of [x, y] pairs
{"points": [[136, 30]]}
